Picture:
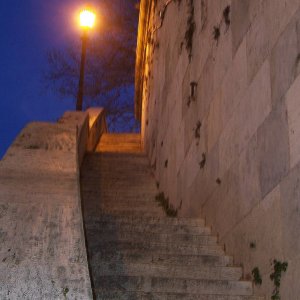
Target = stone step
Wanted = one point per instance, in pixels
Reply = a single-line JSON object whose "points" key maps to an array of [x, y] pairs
{"points": [[117, 169], [101, 165], [121, 295], [112, 203], [140, 182], [120, 143], [134, 158], [166, 247], [148, 196], [167, 271], [148, 257], [122, 205], [115, 213], [156, 238], [149, 220], [134, 250], [173, 285], [150, 228], [121, 209]]}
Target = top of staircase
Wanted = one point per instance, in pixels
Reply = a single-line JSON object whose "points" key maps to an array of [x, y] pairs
{"points": [[120, 142]]}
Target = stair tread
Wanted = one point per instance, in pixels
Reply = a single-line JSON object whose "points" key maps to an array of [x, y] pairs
{"points": [[125, 295], [137, 252], [109, 268], [179, 285], [163, 258]]}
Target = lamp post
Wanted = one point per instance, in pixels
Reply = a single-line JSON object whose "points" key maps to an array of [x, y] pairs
{"points": [[87, 21]]}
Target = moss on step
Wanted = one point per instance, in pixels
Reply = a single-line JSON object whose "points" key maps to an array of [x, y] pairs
{"points": [[167, 207]]}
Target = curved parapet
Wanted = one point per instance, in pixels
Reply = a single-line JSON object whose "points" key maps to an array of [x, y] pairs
{"points": [[42, 243]]}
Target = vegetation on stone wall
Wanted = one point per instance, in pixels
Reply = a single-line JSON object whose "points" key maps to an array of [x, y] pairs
{"points": [[203, 161], [279, 268], [256, 276], [197, 130], [226, 15], [191, 26], [168, 208], [192, 96], [225, 19], [216, 33]]}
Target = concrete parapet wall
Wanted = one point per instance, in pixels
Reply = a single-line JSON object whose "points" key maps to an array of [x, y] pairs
{"points": [[230, 151], [42, 243]]}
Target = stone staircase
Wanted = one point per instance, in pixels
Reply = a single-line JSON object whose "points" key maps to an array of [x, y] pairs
{"points": [[134, 250]]}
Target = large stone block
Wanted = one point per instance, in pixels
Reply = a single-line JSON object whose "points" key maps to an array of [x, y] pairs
{"points": [[222, 208], [258, 46], [42, 248], [283, 62], [255, 9], [229, 147], [240, 22], [255, 106], [235, 83], [290, 280], [250, 113], [257, 239], [205, 183], [191, 120], [215, 120], [45, 148], [293, 110], [186, 100], [273, 150], [222, 57], [265, 30], [290, 210], [180, 153], [248, 166], [205, 88]]}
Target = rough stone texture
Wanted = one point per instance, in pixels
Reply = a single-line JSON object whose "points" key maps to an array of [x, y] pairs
{"points": [[42, 243], [284, 61], [290, 206], [135, 250], [247, 100], [293, 111], [240, 21], [273, 138], [120, 142]]}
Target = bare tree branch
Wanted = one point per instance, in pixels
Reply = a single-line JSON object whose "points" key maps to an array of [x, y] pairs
{"points": [[109, 75]]}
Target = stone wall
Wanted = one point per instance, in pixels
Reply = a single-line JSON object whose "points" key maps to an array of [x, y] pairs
{"points": [[221, 123], [42, 242]]}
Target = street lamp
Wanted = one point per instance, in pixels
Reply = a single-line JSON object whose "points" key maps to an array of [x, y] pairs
{"points": [[87, 21]]}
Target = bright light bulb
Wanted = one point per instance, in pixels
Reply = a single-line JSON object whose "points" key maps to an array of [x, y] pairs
{"points": [[87, 18]]}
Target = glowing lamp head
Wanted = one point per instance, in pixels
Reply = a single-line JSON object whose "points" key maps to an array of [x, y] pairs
{"points": [[87, 19]]}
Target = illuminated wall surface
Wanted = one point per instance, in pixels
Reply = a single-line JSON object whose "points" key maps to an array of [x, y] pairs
{"points": [[218, 86], [43, 251]]}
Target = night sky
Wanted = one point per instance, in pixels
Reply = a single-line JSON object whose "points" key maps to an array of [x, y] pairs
{"points": [[27, 30]]}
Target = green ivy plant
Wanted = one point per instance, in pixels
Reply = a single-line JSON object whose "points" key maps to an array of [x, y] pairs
{"points": [[279, 268], [256, 276]]}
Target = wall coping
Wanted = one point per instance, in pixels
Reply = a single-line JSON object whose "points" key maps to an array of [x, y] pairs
{"points": [[145, 9], [42, 239]]}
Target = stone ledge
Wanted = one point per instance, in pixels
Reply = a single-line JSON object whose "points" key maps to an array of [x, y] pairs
{"points": [[42, 240]]}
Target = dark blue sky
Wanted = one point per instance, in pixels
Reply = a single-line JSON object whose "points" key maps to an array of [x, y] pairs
{"points": [[27, 30]]}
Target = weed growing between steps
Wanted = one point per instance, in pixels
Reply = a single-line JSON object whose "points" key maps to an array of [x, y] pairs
{"points": [[256, 276], [279, 268], [167, 207], [65, 291]]}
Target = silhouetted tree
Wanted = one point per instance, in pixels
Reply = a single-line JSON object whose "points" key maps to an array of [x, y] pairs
{"points": [[109, 74]]}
